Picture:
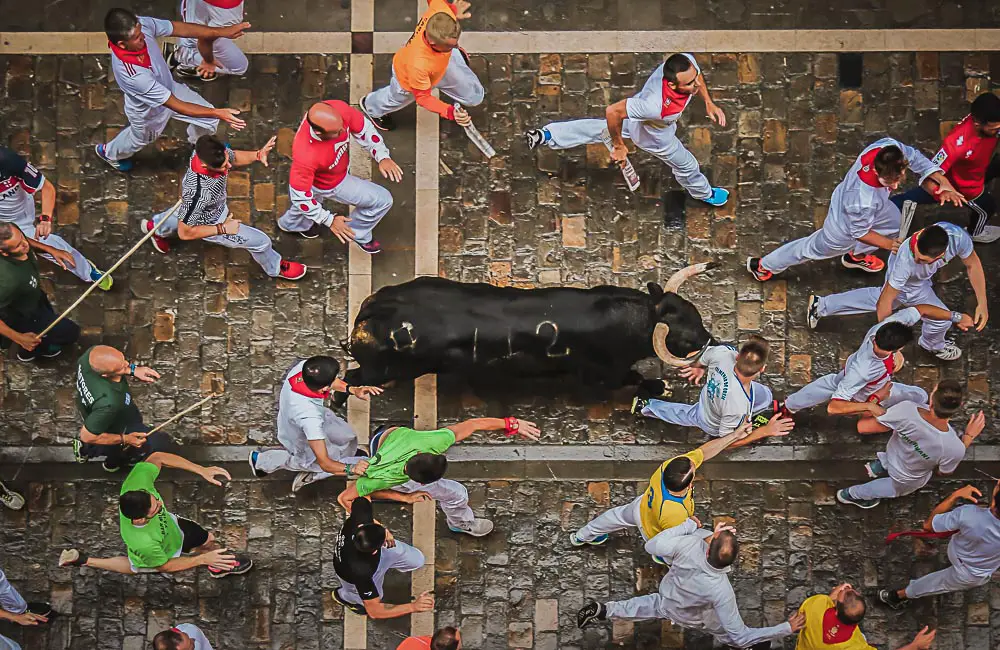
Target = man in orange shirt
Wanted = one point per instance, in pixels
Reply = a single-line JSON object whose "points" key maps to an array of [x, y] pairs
{"points": [[447, 638], [430, 59]]}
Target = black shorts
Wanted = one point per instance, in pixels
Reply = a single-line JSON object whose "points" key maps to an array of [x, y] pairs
{"points": [[194, 535]]}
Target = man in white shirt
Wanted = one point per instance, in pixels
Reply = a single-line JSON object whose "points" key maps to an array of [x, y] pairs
{"points": [[206, 58], [152, 97], [695, 593], [317, 442], [974, 548], [861, 218], [649, 119], [181, 637], [922, 441], [865, 385], [908, 283], [731, 395]]}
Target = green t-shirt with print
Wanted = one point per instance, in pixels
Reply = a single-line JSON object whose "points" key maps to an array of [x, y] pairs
{"points": [[106, 406], [159, 539], [20, 290], [385, 469]]}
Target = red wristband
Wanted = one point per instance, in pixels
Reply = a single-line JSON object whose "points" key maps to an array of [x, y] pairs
{"points": [[510, 426], [45, 218], [875, 399], [451, 113]]}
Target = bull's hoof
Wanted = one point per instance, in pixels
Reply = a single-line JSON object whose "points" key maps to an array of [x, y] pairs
{"points": [[652, 389]]}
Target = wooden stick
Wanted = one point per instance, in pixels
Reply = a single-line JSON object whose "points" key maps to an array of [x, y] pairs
{"points": [[182, 413], [93, 285]]}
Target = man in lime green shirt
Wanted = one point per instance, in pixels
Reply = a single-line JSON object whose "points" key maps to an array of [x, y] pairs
{"points": [[154, 537], [408, 465]]}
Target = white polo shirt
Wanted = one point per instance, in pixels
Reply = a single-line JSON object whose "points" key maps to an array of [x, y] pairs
{"points": [[146, 88], [865, 373], [917, 447], [302, 418], [193, 631], [657, 104], [976, 546], [906, 274]]}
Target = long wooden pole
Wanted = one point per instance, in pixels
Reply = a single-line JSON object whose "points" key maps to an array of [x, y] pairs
{"points": [[182, 413], [93, 285]]}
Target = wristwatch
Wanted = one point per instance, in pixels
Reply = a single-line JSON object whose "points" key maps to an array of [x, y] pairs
{"points": [[45, 218], [131, 369], [956, 317]]}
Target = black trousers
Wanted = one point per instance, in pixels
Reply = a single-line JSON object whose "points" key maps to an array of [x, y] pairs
{"points": [[66, 332], [127, 455], [981, 208]]}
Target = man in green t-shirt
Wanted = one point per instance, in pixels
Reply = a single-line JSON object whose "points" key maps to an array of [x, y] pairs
{"points": [[155, 539], [408, 465], [24, 307], [112, 424]]}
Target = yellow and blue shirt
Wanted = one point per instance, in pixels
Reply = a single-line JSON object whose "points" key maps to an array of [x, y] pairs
{"points": [[660, 510]]}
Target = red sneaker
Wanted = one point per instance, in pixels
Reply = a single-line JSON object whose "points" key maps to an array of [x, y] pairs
{"points": [[868, 263], [757, 271], [291, 270], [159, 243], [371, 247]]}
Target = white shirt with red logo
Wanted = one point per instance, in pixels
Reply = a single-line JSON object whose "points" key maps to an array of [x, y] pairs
{"points": [[302, 416], [19, 180], [657, 104], [964, 156], [905, 273], [144, 77], [865, 372]]}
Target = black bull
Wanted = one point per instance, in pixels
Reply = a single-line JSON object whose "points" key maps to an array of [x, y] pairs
{"points": [[433, 325]]}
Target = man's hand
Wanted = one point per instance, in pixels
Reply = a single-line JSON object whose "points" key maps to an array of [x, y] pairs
{"points": [[359, 468], [839, 589], [28, 340], [975, 426], [982, 316], [230, 226], [619, 153], [135, 439], [527, 429], [228, 115], [875, 409], [924, 639], [146, 375], [390, 541], [425, 601], [340, 228], [778, 425], [43, 229], [366, 392], [946, 192], [967, 492], [461, 117], [797, 621], [63, 259], [391, 170], [266, 149], [744, 430], [697, 522], [27, 618], [462, 9], [715, 113], [693, 374], [895, 245], [210, 474], [220, 559], [417, 497], [232, 31], [206, 70]]}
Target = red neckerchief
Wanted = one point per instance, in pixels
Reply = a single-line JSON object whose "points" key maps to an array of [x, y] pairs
{"points": [[835, 631], [298, 385], [140, 58], [225, 4], [673, 101], [867, 173], [913, 244], [199, 167]]}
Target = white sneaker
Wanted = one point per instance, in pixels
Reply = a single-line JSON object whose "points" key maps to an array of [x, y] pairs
{"points": [[10, 498], [949, 352], [988, 235], [812, 311], [303, 479], [477, 527]]}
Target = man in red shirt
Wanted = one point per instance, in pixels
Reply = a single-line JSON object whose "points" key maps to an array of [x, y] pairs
{"points": [[320, 158], [966, 156], [447, 638]]}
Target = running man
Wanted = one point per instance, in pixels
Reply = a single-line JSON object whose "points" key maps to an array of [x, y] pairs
{"points": [[317, 442], [966, 157], [922, 443], [181, 637], [731, 395], [320, 160], [19, 182], [204, 213], [908, 283], [408, 465], [15, 609], [861, 218], [649, 119], [447, 638], [974, 548], [152, 97], [430, 59], [206, 58], [154, 537]]}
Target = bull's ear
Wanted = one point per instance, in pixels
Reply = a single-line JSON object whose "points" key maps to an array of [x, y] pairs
{"points": [[655, 290]]}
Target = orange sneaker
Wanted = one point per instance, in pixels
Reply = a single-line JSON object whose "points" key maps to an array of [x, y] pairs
{"points": [[291, 270], [868, 263]]}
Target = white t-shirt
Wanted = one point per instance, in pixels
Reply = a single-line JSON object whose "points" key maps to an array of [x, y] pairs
{"points": [[905, 273], [864, 372], [653, 104], [200, 641], [976, 546], [146, 88], [302, 418], [724, 403], [917, 447]]}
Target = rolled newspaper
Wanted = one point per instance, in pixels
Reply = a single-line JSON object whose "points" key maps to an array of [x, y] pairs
{"points": [[477, 139], [628, 171]]}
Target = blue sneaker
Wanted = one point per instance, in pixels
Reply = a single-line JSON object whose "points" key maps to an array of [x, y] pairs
{"points": [[876, 469], [252, 459], [95, 275], [597, 541], [659, 559], [719, 197], [845, 497], [535, 137], [120, 165]]}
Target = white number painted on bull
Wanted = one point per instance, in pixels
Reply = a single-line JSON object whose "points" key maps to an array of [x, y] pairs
{"points": [[408, 328], [555, 336]]}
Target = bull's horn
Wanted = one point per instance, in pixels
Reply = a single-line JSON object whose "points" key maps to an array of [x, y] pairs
{"points": [[660, 347], [678, 278]]}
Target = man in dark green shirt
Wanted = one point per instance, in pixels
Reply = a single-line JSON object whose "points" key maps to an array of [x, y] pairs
{"points": [[112, 424], [24, 307]]}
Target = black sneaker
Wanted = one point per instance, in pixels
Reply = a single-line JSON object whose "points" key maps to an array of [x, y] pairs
{"points": [[383, 123], [844, 496], [243, 564], [354, 607], [890, 598], [638, 404], [26, 356], [812, 311], [41, 609], [592, 611], [51, 352], [109, 467], [534, 137], [314, 231], [252, 459]]}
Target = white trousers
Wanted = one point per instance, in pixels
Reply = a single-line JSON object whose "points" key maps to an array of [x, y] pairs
{"points": [[369, 203], [660, 142], [613, 520], [401, 557], [146, 126], [691, 415], [247, 237], [640, 608], [452, 498], [82, 266], [275, 459], [229, 58], [887, 488], [865, 300], [944, 581], [821, 245], [459, 82], [820, 391]]}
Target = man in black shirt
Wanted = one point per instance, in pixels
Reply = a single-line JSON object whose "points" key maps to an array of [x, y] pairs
{"points": [[365, 552]]}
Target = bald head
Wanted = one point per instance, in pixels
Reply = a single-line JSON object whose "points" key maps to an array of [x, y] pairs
{"points": [[851, 608], [106, 360], [325, 121], [723, 549]]}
